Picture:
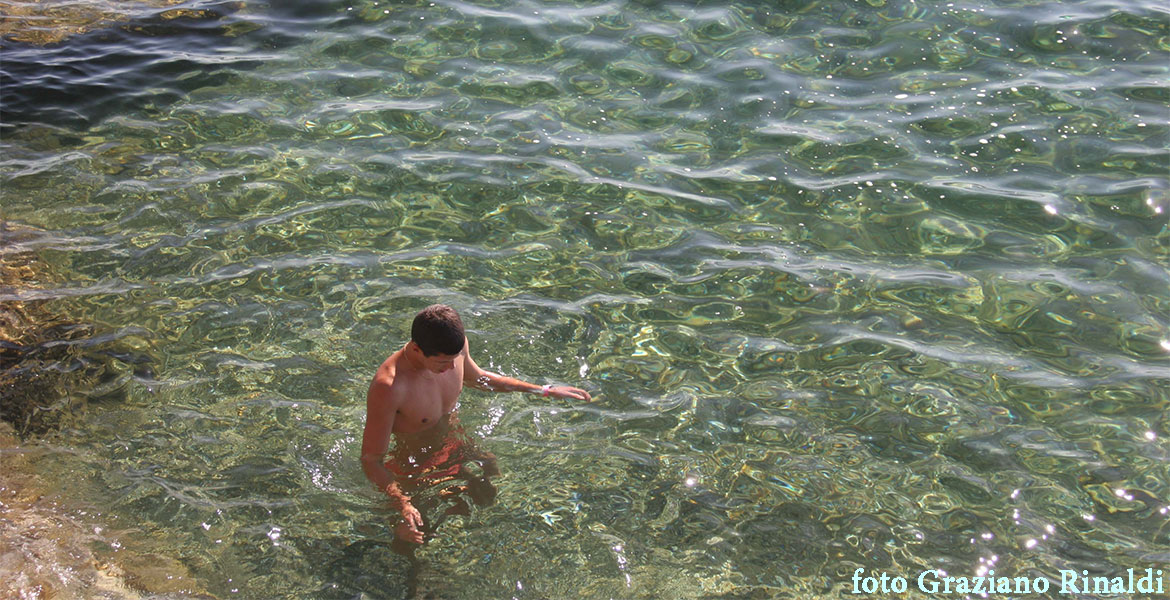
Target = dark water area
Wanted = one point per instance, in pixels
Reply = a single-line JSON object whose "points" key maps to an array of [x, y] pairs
{"points": [[145, 62], [856, 285]]}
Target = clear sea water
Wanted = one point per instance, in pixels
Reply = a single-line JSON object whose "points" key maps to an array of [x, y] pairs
{"points": [[872, 284]]}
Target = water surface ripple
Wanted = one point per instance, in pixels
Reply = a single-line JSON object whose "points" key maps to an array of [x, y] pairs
{"points": [[856, 284]]}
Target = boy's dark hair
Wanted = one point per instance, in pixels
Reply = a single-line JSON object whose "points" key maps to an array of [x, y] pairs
{"points": [[437, 329]]}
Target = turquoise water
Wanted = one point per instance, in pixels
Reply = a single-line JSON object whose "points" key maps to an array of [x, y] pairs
{"points": [[879, 285]]}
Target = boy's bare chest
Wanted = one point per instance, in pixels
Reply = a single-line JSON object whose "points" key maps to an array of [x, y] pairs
{"points": [[427, 402]]}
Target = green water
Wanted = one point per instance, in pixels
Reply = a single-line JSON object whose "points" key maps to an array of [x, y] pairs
{"points": [[879, 285]]}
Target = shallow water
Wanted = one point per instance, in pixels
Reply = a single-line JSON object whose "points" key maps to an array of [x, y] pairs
{"points": [[879, 285]]}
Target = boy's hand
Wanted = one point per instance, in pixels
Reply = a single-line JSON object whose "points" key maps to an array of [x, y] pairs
{"points": [[564, 391], [410, 528]]}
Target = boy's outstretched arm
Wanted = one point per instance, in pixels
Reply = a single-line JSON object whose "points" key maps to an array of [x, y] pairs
{"points": [[478, 378]]}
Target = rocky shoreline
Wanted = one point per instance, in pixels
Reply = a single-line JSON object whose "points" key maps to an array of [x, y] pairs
{"points": [[52, 545]]}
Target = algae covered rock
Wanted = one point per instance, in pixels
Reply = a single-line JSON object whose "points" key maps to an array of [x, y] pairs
{"points": [[51, 362]]}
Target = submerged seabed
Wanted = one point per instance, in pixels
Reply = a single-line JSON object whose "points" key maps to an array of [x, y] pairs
{"points": [[878, 285]]}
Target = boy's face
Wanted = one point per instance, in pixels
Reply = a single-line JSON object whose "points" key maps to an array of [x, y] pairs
{"points": [[440, 363]]}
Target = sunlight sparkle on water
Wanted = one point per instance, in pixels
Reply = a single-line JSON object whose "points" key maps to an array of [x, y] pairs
{"points": [[742, 275]]}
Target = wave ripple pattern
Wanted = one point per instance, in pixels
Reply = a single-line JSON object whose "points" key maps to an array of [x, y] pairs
{"points": [[858, 284]]}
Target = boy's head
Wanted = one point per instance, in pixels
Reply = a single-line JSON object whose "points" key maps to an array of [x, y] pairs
{"points": [[437, 329]]}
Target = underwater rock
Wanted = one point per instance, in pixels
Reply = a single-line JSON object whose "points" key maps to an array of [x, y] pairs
{"points": [[25, 394], [47, 545], [49, 366]]}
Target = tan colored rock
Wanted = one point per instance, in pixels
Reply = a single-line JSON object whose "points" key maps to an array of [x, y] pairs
{"points": [[44, 22], [47, 545]]}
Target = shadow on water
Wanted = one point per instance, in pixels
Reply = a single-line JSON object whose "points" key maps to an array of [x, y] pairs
{"points": [[149, 60]]}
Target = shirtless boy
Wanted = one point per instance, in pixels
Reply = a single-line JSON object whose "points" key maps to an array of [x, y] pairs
{"points": [[413, 396]]}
